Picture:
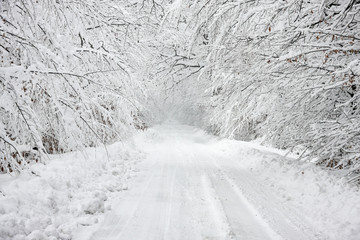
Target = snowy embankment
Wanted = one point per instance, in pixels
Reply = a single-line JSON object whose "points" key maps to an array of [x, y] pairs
{"points": [[50, 201], [188, 185], [318, 194]]}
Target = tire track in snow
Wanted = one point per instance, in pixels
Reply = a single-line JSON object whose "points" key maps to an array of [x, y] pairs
{"points": [[289, 226], [217, 210], [219, 227], [244, 221], [170, 205]]}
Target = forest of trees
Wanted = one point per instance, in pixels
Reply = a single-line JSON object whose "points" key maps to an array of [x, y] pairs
{"points": [[86, 73], [73, 75]]}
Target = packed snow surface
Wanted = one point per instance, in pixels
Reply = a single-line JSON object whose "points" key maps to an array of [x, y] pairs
{"points": [[181, 184], [195, 186]]}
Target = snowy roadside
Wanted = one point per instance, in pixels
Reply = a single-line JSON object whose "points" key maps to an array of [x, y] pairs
{"points": [[74, 190], [327, 201], [71, 190]]}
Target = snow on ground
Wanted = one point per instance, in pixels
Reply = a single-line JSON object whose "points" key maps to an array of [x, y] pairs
{"points": [[318, 195], [184, 184], [195, 186], [70, 190]]}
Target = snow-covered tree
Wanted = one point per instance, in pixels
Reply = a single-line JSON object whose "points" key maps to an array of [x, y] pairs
{"points": [[72, 74], [285, 70]]}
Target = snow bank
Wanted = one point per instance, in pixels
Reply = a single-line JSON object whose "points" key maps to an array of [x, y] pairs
{"points": [[50, 201], [321, 195]]}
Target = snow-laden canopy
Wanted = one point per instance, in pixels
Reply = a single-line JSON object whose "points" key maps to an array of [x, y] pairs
{"points": [[82, 73]]}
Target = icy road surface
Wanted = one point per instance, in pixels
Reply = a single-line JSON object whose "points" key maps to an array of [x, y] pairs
{"points": [[189, 188]]}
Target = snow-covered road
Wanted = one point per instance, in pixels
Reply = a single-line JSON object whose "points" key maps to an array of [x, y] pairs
{"points": [[190, 188]]}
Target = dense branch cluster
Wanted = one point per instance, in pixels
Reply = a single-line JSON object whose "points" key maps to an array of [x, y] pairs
{"points": [[284, 70], [72, 74]]}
